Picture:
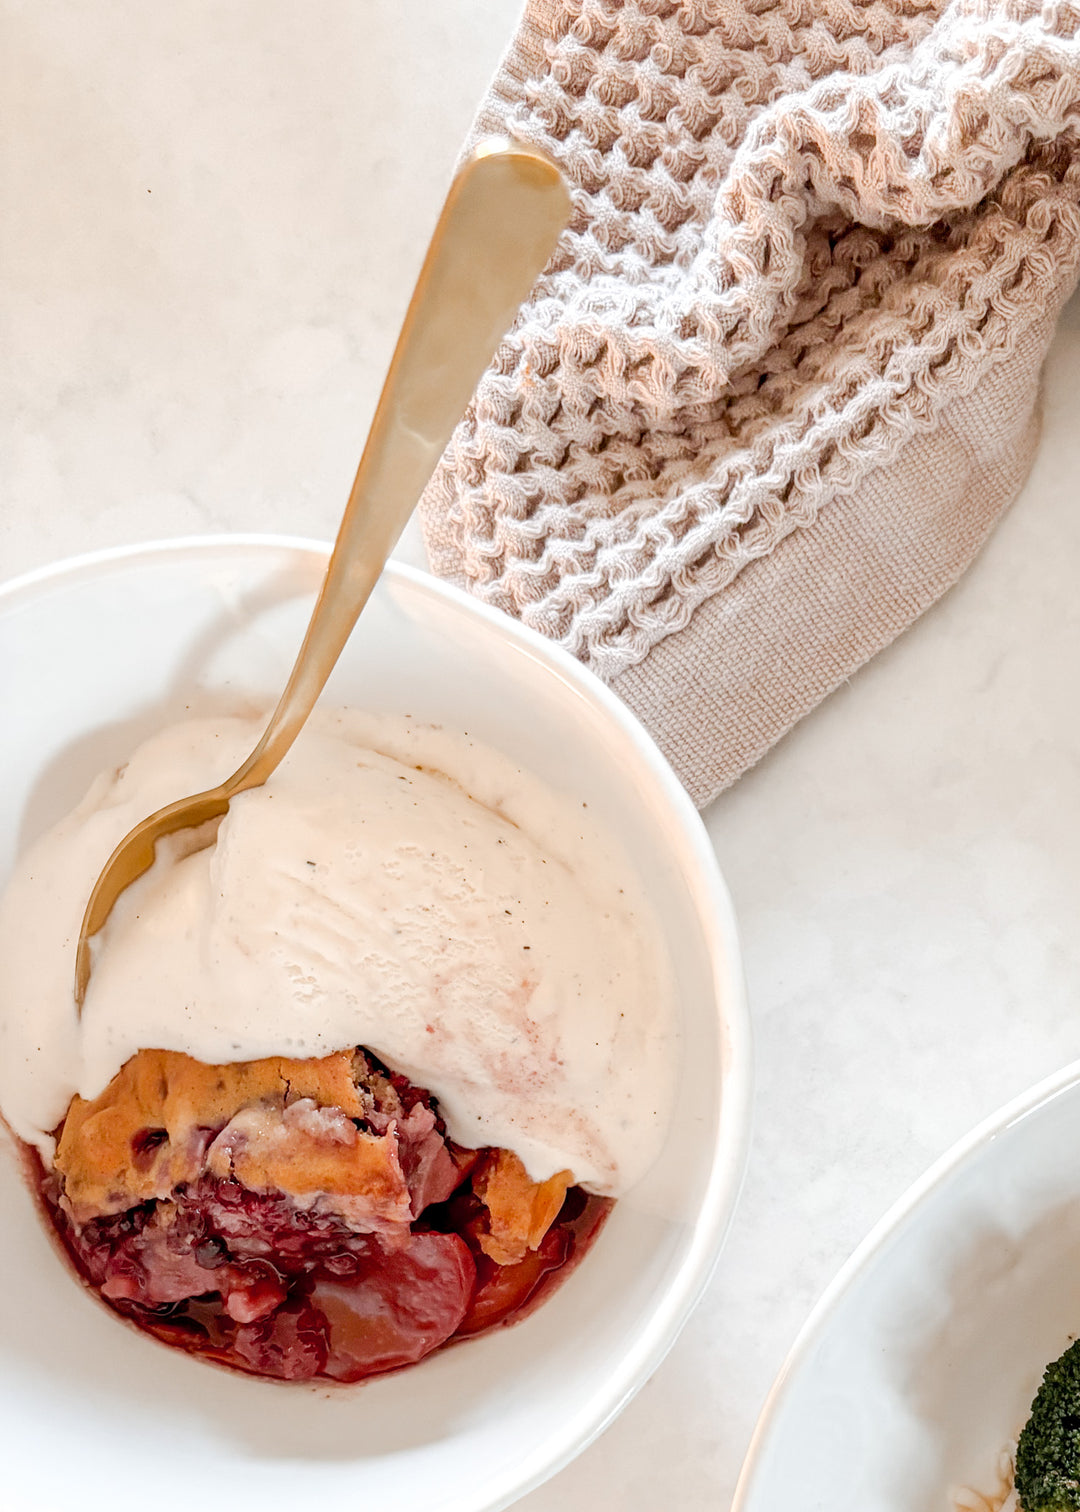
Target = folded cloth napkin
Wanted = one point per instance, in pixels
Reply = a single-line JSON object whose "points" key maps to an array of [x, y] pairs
{"points": [[781, 376]]}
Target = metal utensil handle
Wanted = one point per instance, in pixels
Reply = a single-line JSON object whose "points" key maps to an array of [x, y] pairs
{"points": [[502, 219]]}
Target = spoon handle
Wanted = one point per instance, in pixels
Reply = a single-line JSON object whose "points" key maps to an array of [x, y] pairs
{"points": [[504, 213], [501, 221]]}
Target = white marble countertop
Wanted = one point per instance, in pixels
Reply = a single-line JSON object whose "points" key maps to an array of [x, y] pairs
{"points": [[212, 216]]}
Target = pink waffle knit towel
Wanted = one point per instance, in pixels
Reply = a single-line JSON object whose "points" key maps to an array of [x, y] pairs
{"points": [[781, 376]]}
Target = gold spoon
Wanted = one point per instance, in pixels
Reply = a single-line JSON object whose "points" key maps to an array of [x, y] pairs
{"points": [[504, 214]]}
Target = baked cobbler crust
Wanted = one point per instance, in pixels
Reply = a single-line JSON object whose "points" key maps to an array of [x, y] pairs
{"points": [[301, 1218]]}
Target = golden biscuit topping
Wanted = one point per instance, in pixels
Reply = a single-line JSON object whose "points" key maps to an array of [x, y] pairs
{"points": [[274, 1125], [147, 1132], [521, 1210]]}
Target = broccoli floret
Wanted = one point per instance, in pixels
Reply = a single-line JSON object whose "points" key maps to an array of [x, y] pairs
{"points": [[1048, 1451]]}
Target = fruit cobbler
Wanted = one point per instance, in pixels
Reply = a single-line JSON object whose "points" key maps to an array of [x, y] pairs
{"points": [[301, 1218]]}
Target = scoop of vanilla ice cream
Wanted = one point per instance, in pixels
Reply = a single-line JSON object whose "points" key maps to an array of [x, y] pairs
{"points": [[391, 886]]}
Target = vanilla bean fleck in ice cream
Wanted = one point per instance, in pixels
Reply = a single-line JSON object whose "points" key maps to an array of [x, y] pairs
{"points": [[393, 886]]}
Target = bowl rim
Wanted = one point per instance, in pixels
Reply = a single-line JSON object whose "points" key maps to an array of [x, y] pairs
{"points": [[979, 1139], [697, 859]]}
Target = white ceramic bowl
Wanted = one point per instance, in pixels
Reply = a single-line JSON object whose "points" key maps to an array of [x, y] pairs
{"points": [[921, 1360], [96, 654]]}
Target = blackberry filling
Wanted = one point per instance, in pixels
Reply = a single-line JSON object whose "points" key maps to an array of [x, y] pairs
{"points": [[301, 1219]]}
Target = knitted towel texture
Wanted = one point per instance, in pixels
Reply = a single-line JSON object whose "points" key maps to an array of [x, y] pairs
{"points": [[781, 376]]}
